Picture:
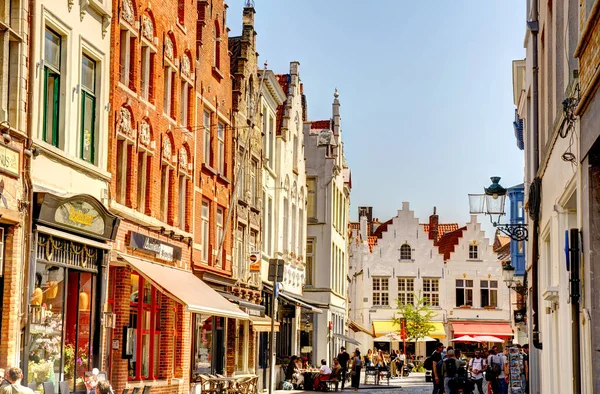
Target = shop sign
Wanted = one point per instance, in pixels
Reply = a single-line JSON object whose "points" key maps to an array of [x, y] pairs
{"points": [[9, 161], [80, 215], [162, 250], [255, 259]]}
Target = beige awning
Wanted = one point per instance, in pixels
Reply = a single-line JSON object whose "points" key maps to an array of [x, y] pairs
{"points": [[186, 288], [263, 324]]}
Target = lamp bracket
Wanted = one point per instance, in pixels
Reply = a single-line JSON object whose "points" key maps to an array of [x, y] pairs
{"points": [[516, 231]]}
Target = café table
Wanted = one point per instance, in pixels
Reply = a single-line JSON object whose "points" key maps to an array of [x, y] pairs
{"points": [[309, 377]]}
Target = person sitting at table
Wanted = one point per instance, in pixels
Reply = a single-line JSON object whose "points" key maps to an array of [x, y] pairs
{"points": [[369, 358], [298, 377], [289, 372], [336, 370], [305, 363], [325, 374]]}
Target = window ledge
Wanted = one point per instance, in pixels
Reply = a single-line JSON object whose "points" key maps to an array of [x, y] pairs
{"points": [[77, 163], [475, 260], [217, 73], [127, 89], [255, 210], [147, 102], [224, 179], [170, 119], [406, 260], [209, 169], [181, 27]]}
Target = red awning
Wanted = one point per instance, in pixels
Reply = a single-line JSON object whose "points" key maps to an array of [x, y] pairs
{"points": [[494, 329]]}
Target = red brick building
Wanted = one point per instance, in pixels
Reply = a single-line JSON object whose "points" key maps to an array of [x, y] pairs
{"points": [[161, 183]]}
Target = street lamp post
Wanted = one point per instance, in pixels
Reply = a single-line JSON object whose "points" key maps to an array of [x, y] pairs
{"points": [[491, 203]]}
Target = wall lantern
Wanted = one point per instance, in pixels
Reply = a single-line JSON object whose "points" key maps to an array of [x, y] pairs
{"points": [[491, 203], [508, 276]]}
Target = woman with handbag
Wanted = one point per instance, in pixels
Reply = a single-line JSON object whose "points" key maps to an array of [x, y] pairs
{"points": [[356, 367]]}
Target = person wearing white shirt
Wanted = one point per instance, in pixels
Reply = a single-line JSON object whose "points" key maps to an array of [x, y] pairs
{"points": [[477, 365], [325, 374]]}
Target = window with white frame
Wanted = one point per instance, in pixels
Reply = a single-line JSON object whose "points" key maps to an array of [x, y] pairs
{"points": [[301, 228], [381, 293], [431, 291], [205, 230], [184, 103], [221, 148], [464, 292], [311, 198], [294, 229], [286, 226], [271, 139], [473, 251], [144, 165], [53, 43], [241, 173], [295, 154], [148, 60], [240, 246], [406, 291], [165, 177], [253, 182], [265, 133], [207, 138], [310, 261], [220, 217], [405, 252], [217, 45], [270, 227], [169, 79], [489, 293], [183, 188], [126, 56], [122, 169]]}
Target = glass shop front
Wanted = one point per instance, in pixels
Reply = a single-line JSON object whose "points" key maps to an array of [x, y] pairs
{"points": [[65, 304]]}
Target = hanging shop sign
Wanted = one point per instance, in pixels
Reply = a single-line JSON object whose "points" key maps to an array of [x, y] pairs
{"points": [[255, 259], [80, 214], [9, 161], [161, 250]]}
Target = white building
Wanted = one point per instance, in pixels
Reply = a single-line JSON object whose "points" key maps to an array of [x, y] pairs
{"points": [[560, 333], [455, 269], [71, 95], [284, 188], [328, 204]]}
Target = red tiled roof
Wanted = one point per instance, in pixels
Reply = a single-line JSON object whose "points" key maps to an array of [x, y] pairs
{"points": [[382, 228], [443, 228], [448, 241], [500, 241], [320, 124], [284, 82], [372, 241]]}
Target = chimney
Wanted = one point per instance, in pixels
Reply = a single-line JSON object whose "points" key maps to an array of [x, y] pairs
{"points": [[363, 227], [248, 15], [433, 226]]}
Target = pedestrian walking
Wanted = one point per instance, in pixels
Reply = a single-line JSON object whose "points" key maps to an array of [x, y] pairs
{"points": [[356, 368], [436, 357], [14, 376], [343, 359], [476, 366]]}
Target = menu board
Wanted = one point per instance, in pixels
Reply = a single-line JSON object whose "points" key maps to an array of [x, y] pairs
{"points": [[515, 366]]}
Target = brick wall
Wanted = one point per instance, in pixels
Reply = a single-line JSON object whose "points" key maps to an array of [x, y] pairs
{"points": [[11, 298]]}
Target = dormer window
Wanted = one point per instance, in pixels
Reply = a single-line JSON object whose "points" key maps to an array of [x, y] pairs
{"points": [[473, 252], [405, 252]]}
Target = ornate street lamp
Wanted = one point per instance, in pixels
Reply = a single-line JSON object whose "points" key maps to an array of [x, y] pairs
{"points": [[508, 276], [492, 203]]}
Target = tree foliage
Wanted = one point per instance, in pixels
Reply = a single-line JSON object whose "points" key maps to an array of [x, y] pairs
{"points": [[418, 318]]}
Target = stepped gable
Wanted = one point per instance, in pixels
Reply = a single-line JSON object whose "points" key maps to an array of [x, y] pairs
{"points": [[448, 242]]}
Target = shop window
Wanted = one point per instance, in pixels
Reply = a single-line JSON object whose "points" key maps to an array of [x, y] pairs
{"points": [[464, 292], [431, 291], [145, 324], [88, 109], [489, 293], [52, 86]]}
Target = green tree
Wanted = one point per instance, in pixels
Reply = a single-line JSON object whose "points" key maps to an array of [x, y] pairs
{"points": [[418, 318]]}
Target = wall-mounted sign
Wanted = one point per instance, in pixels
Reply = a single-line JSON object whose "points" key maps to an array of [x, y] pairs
{"points": [[82, 214], [162, 250], [255, 259], [9, 161]]}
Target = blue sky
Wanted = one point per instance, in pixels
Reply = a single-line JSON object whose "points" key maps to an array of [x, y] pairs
{"points": [[425, 88]]}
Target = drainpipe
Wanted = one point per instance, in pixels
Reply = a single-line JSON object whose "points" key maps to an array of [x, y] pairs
{"points": [[533, 26], [28, 184]]}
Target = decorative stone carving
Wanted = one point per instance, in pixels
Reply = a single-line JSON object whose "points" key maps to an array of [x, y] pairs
{"points": [[183, 159], [127, 12], [70, 4], [167, 150], [144, 133], [326, 138], [83, 5], [186, 67], [168, 47], [106, 19], [125, 123], [147, 28]]}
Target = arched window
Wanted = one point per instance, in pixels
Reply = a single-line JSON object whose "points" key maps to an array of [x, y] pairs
{"points": [[405, 252], [217, 42]]}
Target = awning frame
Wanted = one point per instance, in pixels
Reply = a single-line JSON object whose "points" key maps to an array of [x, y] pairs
{"points": [[296, 301], [346, 338]]}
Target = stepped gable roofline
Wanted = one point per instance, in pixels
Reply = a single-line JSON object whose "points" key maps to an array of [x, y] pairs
{"points": [[443, 228], [448, 242], [382, 228], [235, 47]]}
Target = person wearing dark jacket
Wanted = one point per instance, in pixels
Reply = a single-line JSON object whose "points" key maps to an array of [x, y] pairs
{"points": [[343, 358], [289, 372]]}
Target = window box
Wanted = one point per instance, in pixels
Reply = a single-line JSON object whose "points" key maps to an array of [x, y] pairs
{"points": [[489, 307], [465, 306]]}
